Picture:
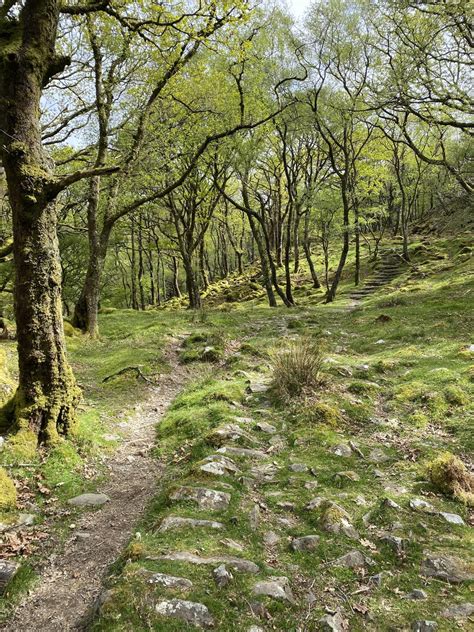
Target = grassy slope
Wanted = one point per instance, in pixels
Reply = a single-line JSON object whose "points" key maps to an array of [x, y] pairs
{"points": [[422, 371], [407, 395]]}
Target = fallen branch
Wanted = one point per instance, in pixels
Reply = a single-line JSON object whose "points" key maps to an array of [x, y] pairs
{"points": [[127, 369]]}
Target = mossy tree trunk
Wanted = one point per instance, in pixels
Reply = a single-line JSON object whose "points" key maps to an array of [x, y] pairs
{"points": [[47, 395]]}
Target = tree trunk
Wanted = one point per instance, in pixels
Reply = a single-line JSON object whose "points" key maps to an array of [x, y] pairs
{"points": [[47, 395], [263, 262], [194, 296], [345, 249], [177, 291], [307, 253]]}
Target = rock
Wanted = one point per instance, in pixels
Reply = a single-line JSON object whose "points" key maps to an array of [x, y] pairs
{"points": [[188, 611], [219, 465], [417, 504], [264, 427], [270, 538], [276, 588], [379, 474], [176, 522], [204, 498], [452, 518], [315, 503], [286, 505], [391, 504], [255, 628], [89, 500], [381, 341], [424, 626], [377, 455], [395, 543], [342, 449], [445, 568], [416, 594], [311, 485], [305, 543], [8, 571], [255, 517], [354, 559], [335, 519], [244, 420], [232, 544], [247, 453], [168, 581], [356, 449], [222, 576], [347, 475], [458, 611], [333, 623], [26, 520], [264, 472], [229, 432], [377, 580], [298, 467], [257, 387], [360, 501], [236, 563]]}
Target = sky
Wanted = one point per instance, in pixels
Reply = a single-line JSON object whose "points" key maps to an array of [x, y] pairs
{"points": [[298, 6]]}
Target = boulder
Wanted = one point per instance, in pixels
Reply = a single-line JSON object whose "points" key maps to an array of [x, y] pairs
{"points": [[188, 611]]}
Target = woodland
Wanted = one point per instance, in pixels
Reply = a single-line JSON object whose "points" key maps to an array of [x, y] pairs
{"points": [[235, 250]]}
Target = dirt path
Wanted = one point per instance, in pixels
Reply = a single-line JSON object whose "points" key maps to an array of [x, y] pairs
{"points": [[72, 579]]}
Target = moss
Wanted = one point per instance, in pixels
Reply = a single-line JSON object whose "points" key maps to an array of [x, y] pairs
{"points": [[8, 494], [449, 474], [22, 446], [418, 419], [321, 413], [455, 395], [362, 388], [70, 331]]}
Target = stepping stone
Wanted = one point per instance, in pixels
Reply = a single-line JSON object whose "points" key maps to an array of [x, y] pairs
{"points": [[264, 427], [204, 498], [333, 623], [89, 500], [168, 581], [236, 563], [424, 626], [458, 611], [222, 576], [188, 611], [354, 559], [298, 467], [417, 504], [305, 543], [452, 518], [242, 452], [342, 449], [8, 571], [219, 465], [275, 587], [270, 538], [446, 568], [176, 522]]}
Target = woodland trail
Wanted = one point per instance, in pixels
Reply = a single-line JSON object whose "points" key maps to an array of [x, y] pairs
{"points": [[71, 580]]}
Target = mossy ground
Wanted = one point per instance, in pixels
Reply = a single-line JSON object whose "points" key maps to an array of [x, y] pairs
{"points": [[402, 386]]}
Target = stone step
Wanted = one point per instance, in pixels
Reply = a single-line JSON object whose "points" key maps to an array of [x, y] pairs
{"points": [[204, 498], [235, 563]]}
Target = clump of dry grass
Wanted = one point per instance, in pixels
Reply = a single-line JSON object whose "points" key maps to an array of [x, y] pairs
{"points": [[297, 368], [449, 474]]}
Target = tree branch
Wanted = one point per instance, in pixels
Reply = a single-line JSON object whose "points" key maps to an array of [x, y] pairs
{"points": [[53, 189]]}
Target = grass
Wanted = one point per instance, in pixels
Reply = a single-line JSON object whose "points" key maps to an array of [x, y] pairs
{"points": [[406, 398]]}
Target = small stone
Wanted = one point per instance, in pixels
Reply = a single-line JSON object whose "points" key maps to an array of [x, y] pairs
{"points": [[354, 559], [424, 626], [257, 387], [236, 563], [377, 455], [263, 426], [311, 485], [458, 611], [242, 452], [391, 504], [335, 519], [348, 475], [219, 465], [342, 449], [82, 535], [446, 568], [360, 501], [381, 341], [244, 420], [315, 503], [169, 581], [416, 594], [176, 522], [286, 505], [255, 518], [305, 543], [7, 571], [270, 538], [379, 474], [222, 576], [298, 467], [26, 520], [255, 628], [376, 580], [204, 498], [276, 588], [355, 448], [395, 543], [188, 611], [229, 432], [452, 518], [417, 504], [89, 500], [333, 623]]}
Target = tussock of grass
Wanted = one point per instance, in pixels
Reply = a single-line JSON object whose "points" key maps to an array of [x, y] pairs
{"points": [[297, 368], [449, 474]]}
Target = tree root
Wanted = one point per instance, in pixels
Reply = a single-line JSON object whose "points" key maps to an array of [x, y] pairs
{"points": [[127, 369]]}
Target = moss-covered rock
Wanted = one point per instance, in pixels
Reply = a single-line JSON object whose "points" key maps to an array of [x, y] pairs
{"points": [[8, 494], [449, 474]]}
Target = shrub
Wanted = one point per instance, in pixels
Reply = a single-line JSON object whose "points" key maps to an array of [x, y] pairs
{"points": [[449, 474], [296, 368]]}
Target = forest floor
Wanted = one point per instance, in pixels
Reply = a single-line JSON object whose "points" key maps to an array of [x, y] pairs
{"points": [[318, 512]]}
